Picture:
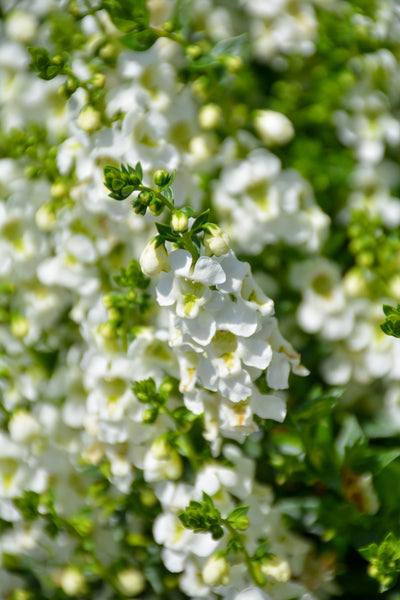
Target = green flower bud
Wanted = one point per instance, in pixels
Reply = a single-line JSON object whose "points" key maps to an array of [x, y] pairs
{"points": [[99, 80], [179, 221], [194, 52], [150, 415], [156, 206], [145, 197], [161, 177]]}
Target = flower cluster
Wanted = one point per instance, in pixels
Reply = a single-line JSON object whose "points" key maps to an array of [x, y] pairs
{"points": [[225, 337]]}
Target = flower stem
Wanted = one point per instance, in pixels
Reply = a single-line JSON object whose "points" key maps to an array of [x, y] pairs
{"points": [[168, 203]]}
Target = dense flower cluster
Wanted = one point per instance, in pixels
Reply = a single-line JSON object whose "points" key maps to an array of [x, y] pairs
{"points": [[187, 188]]}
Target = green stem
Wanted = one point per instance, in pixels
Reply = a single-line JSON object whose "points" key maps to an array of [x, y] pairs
{"points": [[259, 581], [168, 204], [191, 455], [188, 243]]}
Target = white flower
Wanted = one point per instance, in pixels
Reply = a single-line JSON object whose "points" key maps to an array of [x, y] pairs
{"points": [[259, 204], [273, 127], [131, 581], [216, 571]]}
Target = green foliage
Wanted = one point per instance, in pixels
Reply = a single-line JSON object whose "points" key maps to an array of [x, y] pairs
{"points": [[48, 67], [122, 182], [132, 17], [384, 561], [237, 518], [391, 326], [203, 517], [128, 15], [127, 309]]}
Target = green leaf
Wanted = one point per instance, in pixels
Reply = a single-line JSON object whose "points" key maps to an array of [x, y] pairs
{"points": [[128, 15], [349, 435], [138, 170], [262, 550], [389, 310], [166, 233], [188, 211], [139, 41], [238, 517], [201, 219], [233, 46]]}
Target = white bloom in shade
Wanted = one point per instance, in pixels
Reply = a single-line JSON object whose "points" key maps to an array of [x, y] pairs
{"points": [[216, 241], [216, 571], [131, 582], [154, 258], [72, 582], [21, 26], [277, 568], [162, 462], [252, 593], [273, 127], [23, 427]]}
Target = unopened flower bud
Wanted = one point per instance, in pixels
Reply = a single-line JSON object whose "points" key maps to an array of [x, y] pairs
{"points": [[161, 177], [131, 582], [179, 221], [108, 51], [210, 116], [273, 127], [233, 63], [72, 582], [89, 119], [216, 571], [19, 326], [154, 258], [58, 190], [194, 51], [156, 206], [215, 240], [99, 80]]}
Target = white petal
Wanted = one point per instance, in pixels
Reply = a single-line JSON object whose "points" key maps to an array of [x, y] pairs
{"points": [[238, 318], [166, 290], [236, 272], [269, 406], [208, 271], [278, 372], [207, 374], [180, 262], [202, 328], [256, 352], [236, 388], [252, 593]]}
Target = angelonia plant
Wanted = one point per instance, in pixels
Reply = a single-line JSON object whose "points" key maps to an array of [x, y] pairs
{"points": [[193, 195], [221, 326]]}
